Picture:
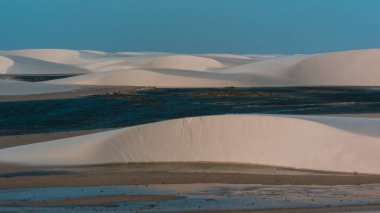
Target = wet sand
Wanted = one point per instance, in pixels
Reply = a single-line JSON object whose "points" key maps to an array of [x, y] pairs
{"points": [[346, 209], [95, 200], [13, 176], [190, 197]]}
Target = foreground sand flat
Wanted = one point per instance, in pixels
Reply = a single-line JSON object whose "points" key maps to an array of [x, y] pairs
{"points": [[20, 176], [160, 184], [340, 144]]}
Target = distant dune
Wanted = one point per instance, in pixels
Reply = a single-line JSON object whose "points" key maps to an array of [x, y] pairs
{"points": [[341, 144], [347, 68], [154, 78], [231, 56], [5, 64], [27, 66], [58, 55], [186, 62]]}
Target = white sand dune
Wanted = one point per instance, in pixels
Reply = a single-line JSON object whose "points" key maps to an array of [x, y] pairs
{"points": [[28, 66], [347, 68], [230, 56], [109, 64], [272, 67], [185, 62], [155, 78], [11, 87], [5, 64], [119, 61], [307, 142], [61, 56], [143, 53]]}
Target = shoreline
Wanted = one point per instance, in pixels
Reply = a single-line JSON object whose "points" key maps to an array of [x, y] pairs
{"points": [[83, 91], [17, 176]]}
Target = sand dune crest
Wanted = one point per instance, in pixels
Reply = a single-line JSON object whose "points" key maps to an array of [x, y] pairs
{"points": [[186, 62]]}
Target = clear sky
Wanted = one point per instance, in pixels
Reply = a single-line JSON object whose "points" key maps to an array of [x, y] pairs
{"points": [[191, 26]]}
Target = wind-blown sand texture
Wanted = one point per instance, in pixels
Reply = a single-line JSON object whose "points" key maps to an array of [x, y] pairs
{"points": [[338, 144]]}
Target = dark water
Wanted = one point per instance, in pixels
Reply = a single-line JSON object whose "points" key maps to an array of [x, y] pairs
{"points": [[98, 112]]}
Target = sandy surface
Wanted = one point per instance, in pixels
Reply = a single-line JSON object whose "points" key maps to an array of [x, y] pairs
{"points": [[30, 66], [13, 176], [61, 56], [346, 68], [331, 69], [195, 197], [346, 209], [185, 62], [95, 200], [154, 77], [325, 143]]}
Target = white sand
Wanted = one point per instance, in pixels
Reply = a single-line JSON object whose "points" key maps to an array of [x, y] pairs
{"points": [[304, 142], [231, 56], [155, 78], [28, 66], [10, 87], [61, 56], [5, 64], [185, 62], [349, 68], [107, 64]]}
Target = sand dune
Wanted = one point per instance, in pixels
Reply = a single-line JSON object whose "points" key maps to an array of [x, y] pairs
{"points": [[10, 87], [231, 56], [5, 64], [29, 66], [119, 61], [108, 64], [347, 68], [272, 67], [155, 78], [304, 142], [61, 56], [186, 62]]}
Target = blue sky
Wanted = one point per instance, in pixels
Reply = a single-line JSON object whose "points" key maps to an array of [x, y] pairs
{"points": [[191, 26]]}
